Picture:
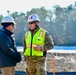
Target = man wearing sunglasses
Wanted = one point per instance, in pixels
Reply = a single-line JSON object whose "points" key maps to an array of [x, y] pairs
{"points": [[37, 42]]}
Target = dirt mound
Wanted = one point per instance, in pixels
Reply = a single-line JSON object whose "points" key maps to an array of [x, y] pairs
{"points": [[64, 62]]}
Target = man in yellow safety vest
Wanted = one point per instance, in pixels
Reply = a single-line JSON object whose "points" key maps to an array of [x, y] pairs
{"points": [[36, 43]]}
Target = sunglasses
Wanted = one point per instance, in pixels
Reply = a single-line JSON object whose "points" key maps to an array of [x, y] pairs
{"points": [[31, 22]]}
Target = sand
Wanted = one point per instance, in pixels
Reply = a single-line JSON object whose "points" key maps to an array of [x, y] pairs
{"points": [[64, 61]]}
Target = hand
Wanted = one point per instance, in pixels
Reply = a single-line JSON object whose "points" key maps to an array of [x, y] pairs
{"points": [[37, 47], [19, 58]]}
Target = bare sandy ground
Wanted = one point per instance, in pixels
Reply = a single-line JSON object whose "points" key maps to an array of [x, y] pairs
{"points": [[63, 62]]}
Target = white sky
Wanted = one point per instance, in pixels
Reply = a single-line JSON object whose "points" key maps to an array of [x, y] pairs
{"points": [[27, 5]]}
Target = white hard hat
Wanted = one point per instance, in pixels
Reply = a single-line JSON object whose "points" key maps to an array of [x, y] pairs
{"points": [[8, 19], [33, 17]]}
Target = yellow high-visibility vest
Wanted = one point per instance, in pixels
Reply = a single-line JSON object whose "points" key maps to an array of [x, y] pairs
{"points": [[38, 39]]}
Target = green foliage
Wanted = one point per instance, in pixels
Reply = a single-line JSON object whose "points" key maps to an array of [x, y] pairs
{"points": [[0, 19], [61, 23]]}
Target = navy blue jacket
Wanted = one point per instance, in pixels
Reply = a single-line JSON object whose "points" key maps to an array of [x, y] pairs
{"points": [[9, 56]]}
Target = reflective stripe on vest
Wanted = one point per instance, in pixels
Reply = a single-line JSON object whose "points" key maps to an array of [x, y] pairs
{"points": [[38, 39]]}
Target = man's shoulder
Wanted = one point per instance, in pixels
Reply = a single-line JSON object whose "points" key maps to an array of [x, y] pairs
{"points": [[27, 32], [2, 32], [43, 30]]}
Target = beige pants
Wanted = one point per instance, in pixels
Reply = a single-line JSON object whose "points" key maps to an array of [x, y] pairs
{"points": [[8, 70], [35, 66]]}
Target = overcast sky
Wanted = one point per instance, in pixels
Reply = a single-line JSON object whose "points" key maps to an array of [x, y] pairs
{"points": [[27, 5]]}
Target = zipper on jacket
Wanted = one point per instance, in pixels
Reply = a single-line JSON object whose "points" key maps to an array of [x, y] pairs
{"points": [[31, 44]]}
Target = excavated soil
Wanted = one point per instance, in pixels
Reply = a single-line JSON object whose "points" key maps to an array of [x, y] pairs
{"points": [[63, 62]]}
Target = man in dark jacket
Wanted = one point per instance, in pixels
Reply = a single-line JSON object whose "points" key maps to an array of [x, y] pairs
{"points": [[9, 56]]}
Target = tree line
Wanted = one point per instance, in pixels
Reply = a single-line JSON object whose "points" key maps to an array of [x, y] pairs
{"points": [[60, 22]]}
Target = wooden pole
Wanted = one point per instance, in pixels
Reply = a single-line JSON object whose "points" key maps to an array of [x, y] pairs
{"points": [[53, 68]]}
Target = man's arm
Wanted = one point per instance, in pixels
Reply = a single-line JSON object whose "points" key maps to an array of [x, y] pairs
{"points": [[48, 42]]}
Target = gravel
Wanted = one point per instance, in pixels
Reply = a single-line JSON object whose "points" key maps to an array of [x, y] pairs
{"points": [[63, 62]]}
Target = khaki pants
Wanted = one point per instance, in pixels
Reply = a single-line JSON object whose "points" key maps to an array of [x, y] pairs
{"points": [[35, 66], [8, 70]]}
